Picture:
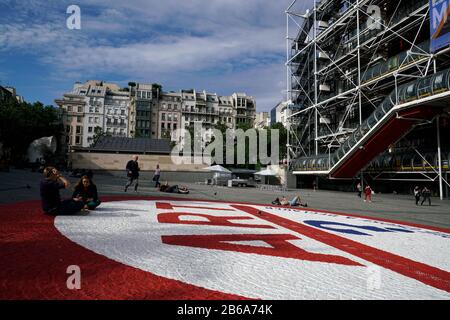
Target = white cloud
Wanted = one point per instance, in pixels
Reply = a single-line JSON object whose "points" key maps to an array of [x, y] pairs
{"points": [[236, 45]]}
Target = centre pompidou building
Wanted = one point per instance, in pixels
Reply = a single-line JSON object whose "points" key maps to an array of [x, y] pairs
{"points": [[369, 93]]}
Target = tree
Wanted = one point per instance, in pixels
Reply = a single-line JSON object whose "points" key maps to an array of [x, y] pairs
{"points": [[21, 123], [282, 136]]}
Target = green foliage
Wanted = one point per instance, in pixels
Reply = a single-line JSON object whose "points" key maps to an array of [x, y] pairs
{"points": [[282, 136], [22, 123]]}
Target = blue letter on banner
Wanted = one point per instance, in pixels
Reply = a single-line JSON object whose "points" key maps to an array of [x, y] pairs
{"points": [[439, 24]]}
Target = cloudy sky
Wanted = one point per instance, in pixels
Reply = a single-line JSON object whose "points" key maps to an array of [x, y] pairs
{"points": [[222, 46]]}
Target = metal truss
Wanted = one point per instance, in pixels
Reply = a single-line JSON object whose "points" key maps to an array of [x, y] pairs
{"points": [[310, 65]]}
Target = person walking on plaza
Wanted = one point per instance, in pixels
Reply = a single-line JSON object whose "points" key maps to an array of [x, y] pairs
{"points": [[86, 192], [133, 173], [426, 195], [417, 194], [368, 193], [156, 176], [50, 198], [359, 189]]}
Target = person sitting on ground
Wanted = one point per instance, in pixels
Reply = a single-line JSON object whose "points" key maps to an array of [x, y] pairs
{"points": [[51, 200], [86, 192], [284, 201], [276, 202], [173, 189], [296, 201]]}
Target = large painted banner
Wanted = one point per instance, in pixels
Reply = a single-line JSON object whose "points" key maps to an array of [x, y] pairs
{"points": [[439, 24]]}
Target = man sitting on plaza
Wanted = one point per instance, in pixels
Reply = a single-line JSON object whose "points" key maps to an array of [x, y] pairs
{"points": [[295, 202], [51, 200], [173, 189]]}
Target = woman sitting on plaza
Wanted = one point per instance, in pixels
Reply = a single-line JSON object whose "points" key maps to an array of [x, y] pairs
{"points": [[51, 200], [86, 192]]}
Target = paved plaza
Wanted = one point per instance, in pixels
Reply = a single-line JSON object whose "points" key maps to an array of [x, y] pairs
{"points": [[13, 188], [222, 243]]}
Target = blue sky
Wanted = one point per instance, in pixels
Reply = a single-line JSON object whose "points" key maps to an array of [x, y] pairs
{"points": [[221, 46]]}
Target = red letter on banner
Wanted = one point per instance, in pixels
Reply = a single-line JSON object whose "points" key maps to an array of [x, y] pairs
{"points": [[280, 247], [174, 217]]}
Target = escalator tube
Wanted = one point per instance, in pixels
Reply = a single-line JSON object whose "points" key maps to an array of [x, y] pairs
{"points": [[424, 88], [417, 163], [407, 162], [430, 162], [388, 162], [401, 94], [440, 82], [410, 92]]}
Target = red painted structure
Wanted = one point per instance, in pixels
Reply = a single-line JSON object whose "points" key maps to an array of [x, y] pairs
{"points": [[391, 131]]}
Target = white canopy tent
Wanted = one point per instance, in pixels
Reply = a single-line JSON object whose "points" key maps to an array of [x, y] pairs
{"points": [[217, 168], [220, 174], [266, 173]]}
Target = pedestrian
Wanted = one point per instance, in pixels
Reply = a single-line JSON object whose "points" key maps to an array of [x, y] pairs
{"points": [[314, 185], [86, 192], [156, 176], [133, 173], [368, 193], [426, 195], [50, 198], [359, 189], [417, 194]]}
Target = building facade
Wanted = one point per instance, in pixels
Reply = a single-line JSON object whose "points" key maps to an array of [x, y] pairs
{"points": [[94, 108], [279, 113], [371, 95], [145, 111], [169, 115], [262, 120]]}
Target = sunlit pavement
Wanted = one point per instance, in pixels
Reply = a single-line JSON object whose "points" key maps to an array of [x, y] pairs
{"points": [[167, 248], [221, 243]]}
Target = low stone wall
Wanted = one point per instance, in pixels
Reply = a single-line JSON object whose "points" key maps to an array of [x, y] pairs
{"points": [[117, 161], [170, 176]]}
